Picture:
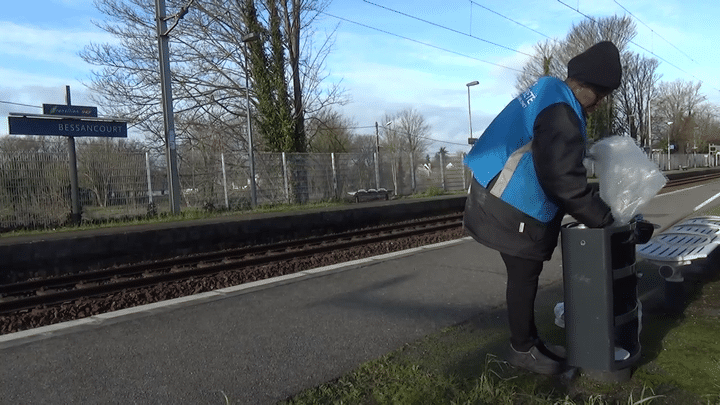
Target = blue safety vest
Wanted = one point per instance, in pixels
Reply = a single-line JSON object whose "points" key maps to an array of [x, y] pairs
{"points": [[506, 145]]}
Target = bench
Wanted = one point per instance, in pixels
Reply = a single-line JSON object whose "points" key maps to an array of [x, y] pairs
{"points": [[370, 194], [682, 249]]}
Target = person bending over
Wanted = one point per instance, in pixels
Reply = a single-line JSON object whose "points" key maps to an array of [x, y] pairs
{"points": [[527, 174]]}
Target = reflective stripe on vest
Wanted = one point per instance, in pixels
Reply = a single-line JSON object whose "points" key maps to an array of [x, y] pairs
{"points": [[508, 170]]}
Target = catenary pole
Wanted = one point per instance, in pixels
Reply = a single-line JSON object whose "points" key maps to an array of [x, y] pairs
{"points": [[169, 122]]}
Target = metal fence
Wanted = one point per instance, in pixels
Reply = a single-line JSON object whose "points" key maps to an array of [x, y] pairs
{"points": [[35, 187]]}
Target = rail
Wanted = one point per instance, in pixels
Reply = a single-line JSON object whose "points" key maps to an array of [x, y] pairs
{"points": [[56, 290]]}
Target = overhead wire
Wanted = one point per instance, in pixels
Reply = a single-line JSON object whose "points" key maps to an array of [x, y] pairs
{"points": [[632, 42], [508, 18], [419, 42], [435, 47], [447, 28], [653, 31], [20, 104]]}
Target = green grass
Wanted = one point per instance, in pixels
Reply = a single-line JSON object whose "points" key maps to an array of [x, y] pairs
{"points": [[463, 364], [712, 211], [685, 364], [118, 219], [113, 217]]}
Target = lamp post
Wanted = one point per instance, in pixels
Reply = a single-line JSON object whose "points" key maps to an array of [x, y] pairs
{"points": [[253, 36], [669, 130], [471, 140]]}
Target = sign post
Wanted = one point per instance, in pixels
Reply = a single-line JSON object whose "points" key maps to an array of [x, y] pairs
{"points": [[69, 121], [76, 211]]}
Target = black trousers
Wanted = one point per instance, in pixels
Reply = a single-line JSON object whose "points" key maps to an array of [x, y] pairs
{"points": [[522, 285]]}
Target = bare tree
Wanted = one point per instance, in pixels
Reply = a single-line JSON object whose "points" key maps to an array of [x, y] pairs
{"points": [[329, 131], [637, 89], [545, 62], [207, 64], [105, 168], [363, 143], [680, 103], [620, 30], [407, 135], [707, 128]]}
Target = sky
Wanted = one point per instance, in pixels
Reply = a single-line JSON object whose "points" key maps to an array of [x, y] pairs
{"points": [[388, 55]]}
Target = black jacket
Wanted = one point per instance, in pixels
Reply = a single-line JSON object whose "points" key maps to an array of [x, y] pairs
{"points": [[558, 150]]}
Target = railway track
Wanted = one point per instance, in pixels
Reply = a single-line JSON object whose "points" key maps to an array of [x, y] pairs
{"points": [[56, 290], [690, 180]]}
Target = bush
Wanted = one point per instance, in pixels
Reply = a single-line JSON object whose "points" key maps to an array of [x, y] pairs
{"points": [[434, 191]]}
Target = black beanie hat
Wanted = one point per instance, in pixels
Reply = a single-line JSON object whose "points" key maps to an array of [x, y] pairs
{"points": [[599, 65]]}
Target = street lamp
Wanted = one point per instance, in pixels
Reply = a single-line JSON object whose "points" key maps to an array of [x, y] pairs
{"points": [[669, 130], [253, 36], [471, 140]]}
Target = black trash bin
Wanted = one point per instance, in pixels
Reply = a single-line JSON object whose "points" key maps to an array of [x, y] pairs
{"points": [[602, 311]]}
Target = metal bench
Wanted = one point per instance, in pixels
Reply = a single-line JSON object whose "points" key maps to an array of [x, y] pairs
{"points": [[682, 249], [370, 194]]}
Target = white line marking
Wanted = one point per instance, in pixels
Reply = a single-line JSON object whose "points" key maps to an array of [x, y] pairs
{"points": [[679, 191], [708, 201]]}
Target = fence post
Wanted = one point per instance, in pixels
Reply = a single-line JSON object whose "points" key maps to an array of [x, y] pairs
{"points": [[149, 178], [464, 171], [442, 172], [376, 155], [334, 176], [413, 182], [285, 178], [222, 162]]}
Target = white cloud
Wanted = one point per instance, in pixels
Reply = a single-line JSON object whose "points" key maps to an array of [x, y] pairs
{"points": [[47, 46]]}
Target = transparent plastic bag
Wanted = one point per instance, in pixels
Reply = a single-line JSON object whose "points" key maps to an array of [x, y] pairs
{"points": [[560, 314], [628, 179]]}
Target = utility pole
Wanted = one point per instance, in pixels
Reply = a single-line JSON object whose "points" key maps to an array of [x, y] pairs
{"points": [[167, 103], [377, 157], [253, 36]]}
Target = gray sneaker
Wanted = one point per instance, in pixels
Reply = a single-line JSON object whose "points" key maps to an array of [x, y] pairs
{"points": [[555, 352], [533, 360]]}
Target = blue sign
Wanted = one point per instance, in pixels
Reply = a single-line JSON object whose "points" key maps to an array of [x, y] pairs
{"points": [[66, 127], [69, 110]]}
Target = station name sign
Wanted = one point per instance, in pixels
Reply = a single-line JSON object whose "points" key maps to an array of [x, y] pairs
{"points": [[66, 127], [70, 110]]}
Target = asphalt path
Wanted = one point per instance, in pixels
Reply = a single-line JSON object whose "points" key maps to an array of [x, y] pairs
{"points": [[260, 343]]}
